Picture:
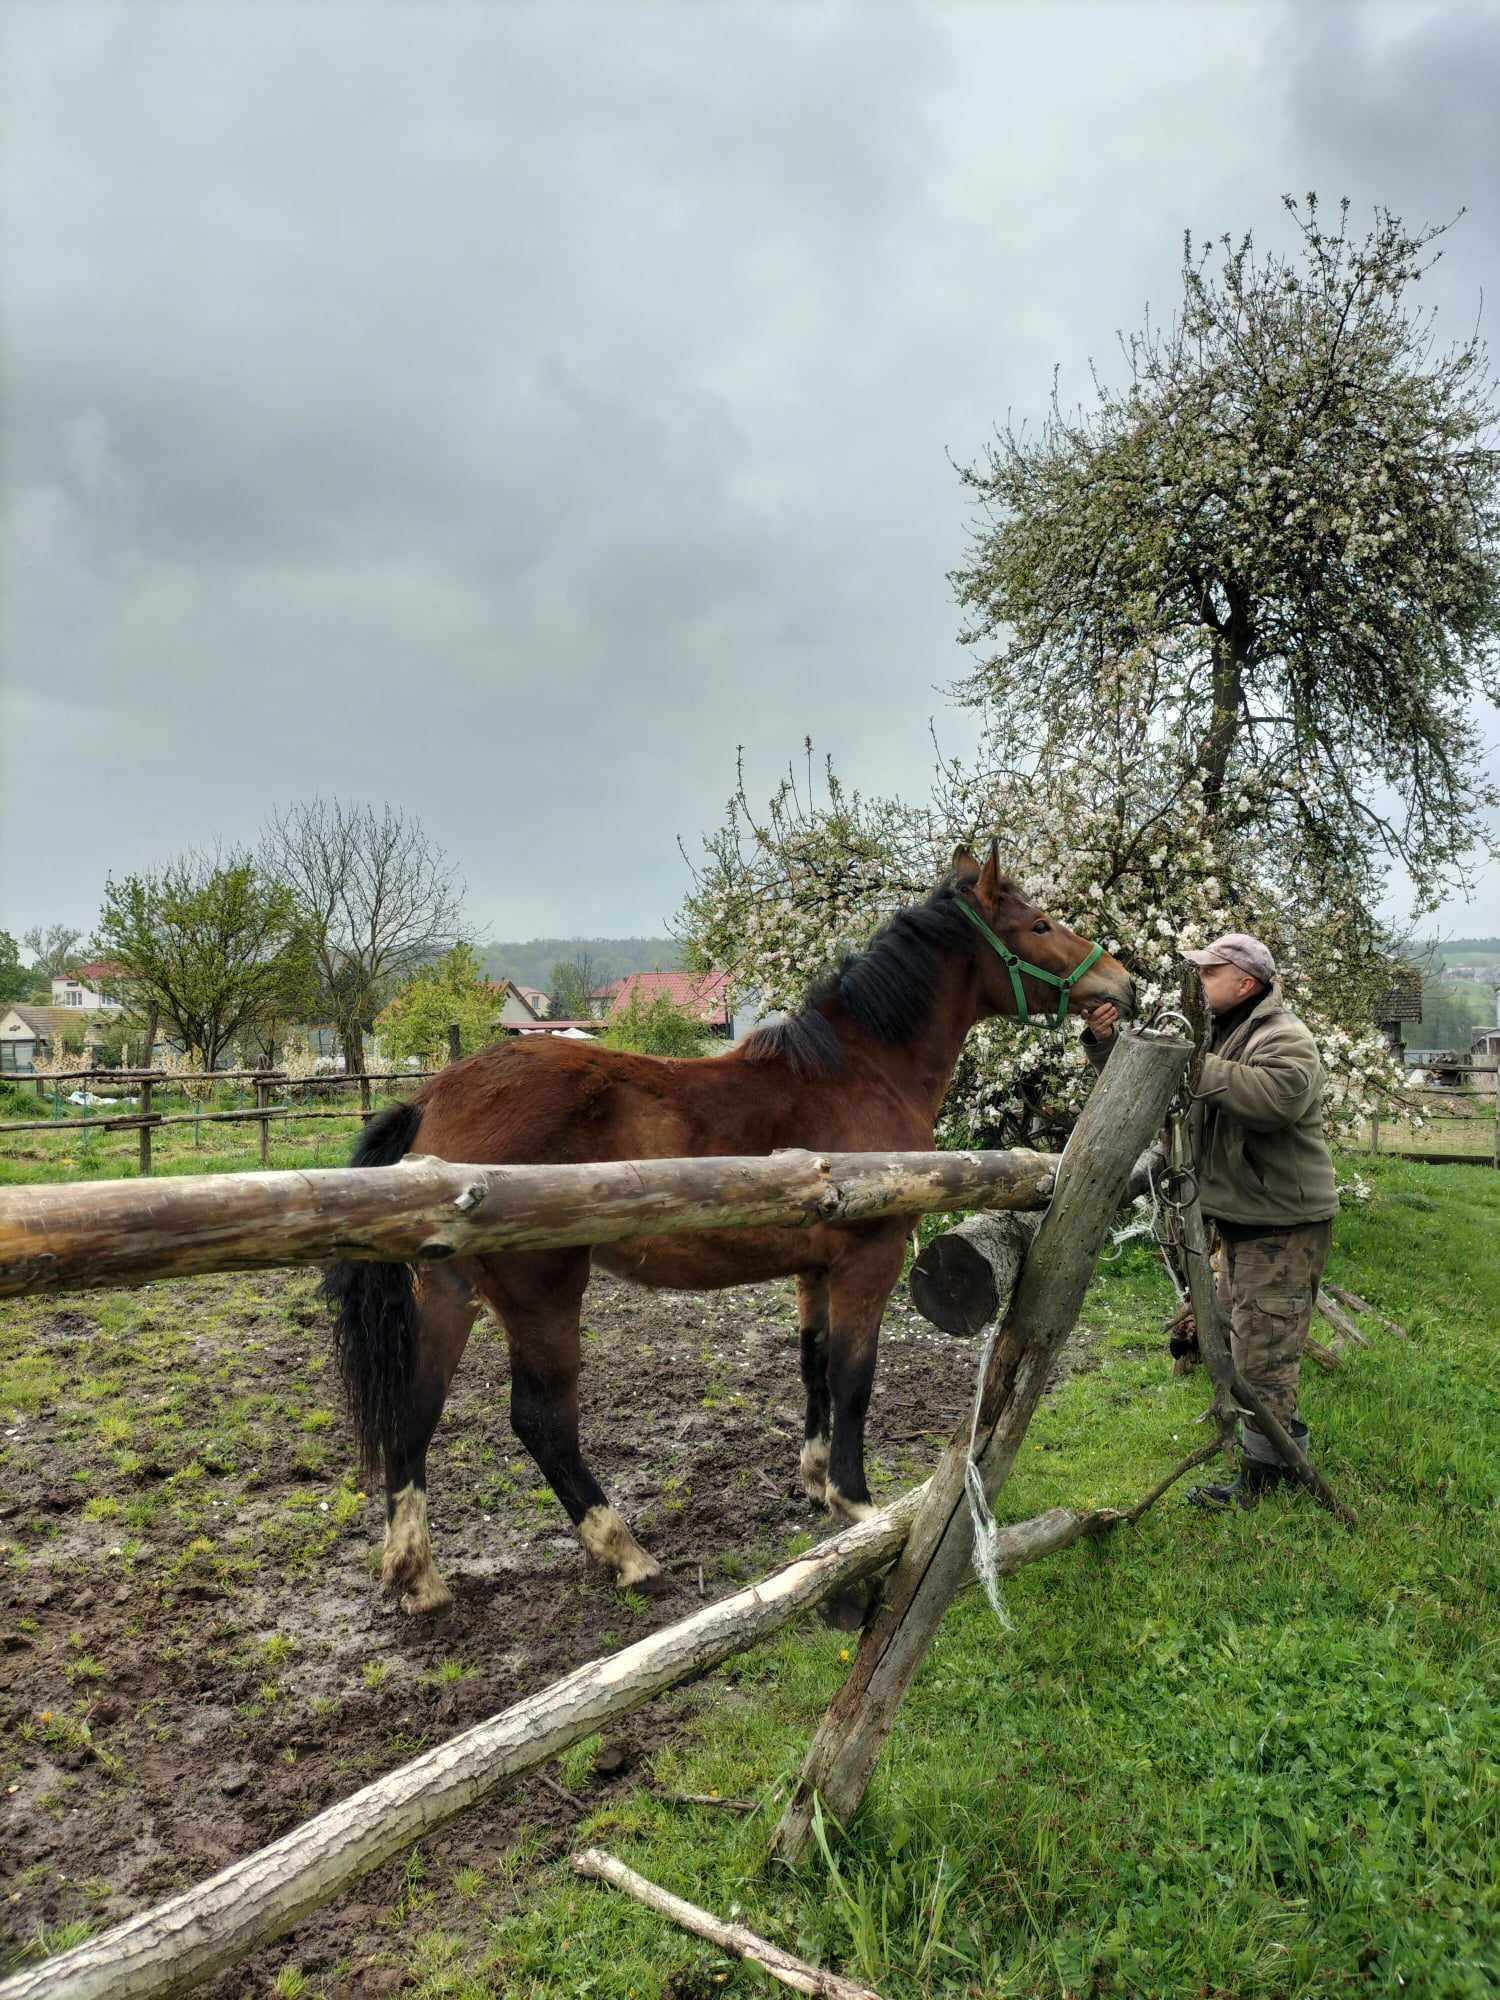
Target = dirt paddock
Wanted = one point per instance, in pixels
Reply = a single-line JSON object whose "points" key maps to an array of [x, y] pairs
{"points": [[196, 1653]]}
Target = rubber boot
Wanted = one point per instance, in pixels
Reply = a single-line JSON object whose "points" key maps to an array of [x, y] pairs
{"points": [[1261, 1469]]}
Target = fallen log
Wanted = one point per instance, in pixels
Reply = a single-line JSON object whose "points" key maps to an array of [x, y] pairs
{"points": [[733, 1938], [1124, 1110], [86, 1234]]}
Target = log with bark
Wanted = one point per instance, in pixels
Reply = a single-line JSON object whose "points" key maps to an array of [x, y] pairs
{"points": [[1123, 1112], [94, 1234], [965, 1277]]}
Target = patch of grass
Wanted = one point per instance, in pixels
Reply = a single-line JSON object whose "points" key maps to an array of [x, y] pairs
{"points": [[449, 1673]]}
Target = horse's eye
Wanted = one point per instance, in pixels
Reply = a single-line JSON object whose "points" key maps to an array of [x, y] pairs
{"points": [[1041, 925]]}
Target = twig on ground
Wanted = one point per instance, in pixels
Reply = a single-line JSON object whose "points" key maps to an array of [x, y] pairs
{"points": [[1356, 1304], [733, 1938], [561, 1791], [705, 1799], [1340, 1321]]}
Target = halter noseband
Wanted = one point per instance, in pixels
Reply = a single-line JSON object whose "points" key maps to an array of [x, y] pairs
{"points": [[1064, 982]]}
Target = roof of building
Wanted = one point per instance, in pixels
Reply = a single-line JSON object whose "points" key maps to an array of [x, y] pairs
{"points": [[50, 1021], [704, 995], [101, 968], [549, 1027]]}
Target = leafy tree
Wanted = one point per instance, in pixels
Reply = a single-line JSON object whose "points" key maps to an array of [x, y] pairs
{"points": [[416, 1021], [15, 980], [654, 1028], [54, 949], [1275, 550], [378, 896], [212, 946]]}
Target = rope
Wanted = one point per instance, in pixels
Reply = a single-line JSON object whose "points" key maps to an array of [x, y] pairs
{"points": [[986, 1552]]}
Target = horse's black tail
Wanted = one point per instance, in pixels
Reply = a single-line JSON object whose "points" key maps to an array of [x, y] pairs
{"points": [[375, 1331]]}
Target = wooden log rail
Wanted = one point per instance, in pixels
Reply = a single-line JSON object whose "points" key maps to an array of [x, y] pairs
{"points": [[87, 1235]]}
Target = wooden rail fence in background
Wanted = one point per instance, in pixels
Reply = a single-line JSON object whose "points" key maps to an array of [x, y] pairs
{"points": [[144, 1083]]}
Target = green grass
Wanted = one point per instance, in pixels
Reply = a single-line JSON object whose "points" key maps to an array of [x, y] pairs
{"points": [[1251, 1755]]}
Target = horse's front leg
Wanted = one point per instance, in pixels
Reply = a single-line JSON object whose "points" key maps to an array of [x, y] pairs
{"points": [[859, 1283], [812, 1334]]}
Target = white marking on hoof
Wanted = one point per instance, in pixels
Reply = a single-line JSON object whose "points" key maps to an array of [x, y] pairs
{"points": [[408, 1556], [604, 1534], [408, 1546], [852, 1510], [812, 1470]]}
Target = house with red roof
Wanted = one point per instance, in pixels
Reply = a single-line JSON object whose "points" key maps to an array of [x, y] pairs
{"points": [[704, 996], [88, 987]]}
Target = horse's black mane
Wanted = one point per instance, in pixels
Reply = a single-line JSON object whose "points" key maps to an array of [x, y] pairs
{"points": [[888, 988]]}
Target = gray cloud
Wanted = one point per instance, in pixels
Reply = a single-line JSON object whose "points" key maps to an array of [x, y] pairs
{"points": [[509, 411]]}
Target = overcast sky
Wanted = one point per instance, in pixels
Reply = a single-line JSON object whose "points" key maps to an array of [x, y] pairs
{"points": [[507, 411]]}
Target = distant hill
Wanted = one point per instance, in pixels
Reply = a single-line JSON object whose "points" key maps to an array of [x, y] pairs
{"points": [[531, 963]]}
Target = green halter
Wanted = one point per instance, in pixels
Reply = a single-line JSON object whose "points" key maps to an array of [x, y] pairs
{"points": [[1016, 966]]}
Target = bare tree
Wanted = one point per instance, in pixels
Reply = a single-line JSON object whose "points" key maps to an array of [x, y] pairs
{"points": [[54, 950], [380, 898]]}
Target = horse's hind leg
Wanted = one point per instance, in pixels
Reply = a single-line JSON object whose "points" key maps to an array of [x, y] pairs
{"points": [[446, 1308], [538, 1296], [859, 1285], [812, 1334]]}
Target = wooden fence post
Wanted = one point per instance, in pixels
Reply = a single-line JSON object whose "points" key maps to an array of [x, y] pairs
{"points": [[262, 1099], [455, 1042], [1123, 1113], [145, 1167], [364, 1095]]}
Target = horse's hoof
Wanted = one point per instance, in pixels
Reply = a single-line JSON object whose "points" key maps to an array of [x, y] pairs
{"points": [[812, 1471], [653, 1583], [427, 1596], [847, 1609], [851, 1510]]}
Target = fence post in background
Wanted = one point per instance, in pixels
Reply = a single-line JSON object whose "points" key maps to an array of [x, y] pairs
{"points": [[455, 1042], [145, 1132], [1374, 1135], [262, 1098], [41, 1088], [364, 1094]]}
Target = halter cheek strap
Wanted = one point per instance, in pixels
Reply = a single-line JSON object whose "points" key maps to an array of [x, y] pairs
{"points": [[1064, 982]]}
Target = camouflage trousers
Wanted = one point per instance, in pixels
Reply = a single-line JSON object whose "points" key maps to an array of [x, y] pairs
{"points": [[1268, 1284]]}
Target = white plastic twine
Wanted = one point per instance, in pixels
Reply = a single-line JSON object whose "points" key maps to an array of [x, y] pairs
{"points": [[986, 1551]]}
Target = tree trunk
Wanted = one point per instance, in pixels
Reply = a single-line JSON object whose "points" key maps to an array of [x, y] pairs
{"points": [[352, 1046], [84, 1235], [1125, 1109]]}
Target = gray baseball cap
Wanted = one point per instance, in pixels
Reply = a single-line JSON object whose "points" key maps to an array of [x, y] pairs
{"points": [[1239, 949]]}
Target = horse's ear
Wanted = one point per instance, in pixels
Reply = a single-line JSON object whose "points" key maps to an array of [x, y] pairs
{"points": [[989, 879], [965, 867]]}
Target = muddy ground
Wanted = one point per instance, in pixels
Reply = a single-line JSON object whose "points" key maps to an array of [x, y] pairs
{"points": [[196, 1652]]}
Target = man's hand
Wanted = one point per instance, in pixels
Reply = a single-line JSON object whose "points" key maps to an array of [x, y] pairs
{"points": [[1100, 1020]]}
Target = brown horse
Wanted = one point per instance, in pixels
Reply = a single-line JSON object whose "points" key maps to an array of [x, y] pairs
{"points": [[862, 1066]]}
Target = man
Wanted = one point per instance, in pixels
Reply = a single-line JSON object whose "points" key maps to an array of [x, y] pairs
{"points": [[1265, 1182]]}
